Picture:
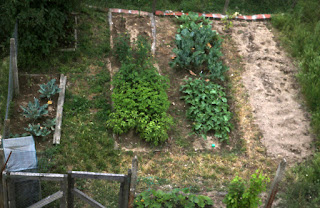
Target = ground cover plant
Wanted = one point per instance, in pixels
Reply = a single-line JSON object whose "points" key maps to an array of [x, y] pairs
{"points": [[174, 199], [208, 108], [139, 96]]}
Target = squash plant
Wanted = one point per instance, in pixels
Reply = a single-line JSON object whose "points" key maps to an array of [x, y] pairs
{"points": [[209, 109]]}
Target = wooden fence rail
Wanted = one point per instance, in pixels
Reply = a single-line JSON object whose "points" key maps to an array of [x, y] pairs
{"points": [[68, 190]]}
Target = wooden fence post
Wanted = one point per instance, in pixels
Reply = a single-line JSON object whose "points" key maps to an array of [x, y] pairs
{"points": [[225, 8], [4, 189], [275, 183], [14, 65], [70, 189], [64, 188], [133, 182]]}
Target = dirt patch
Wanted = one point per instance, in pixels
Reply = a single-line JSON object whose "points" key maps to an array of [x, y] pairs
{"points": [[269, 78]]}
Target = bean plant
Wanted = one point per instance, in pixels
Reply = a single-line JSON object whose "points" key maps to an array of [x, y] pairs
{"points": [[209, 109]]}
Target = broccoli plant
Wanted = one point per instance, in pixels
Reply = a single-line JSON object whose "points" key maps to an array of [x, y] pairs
{"points": [[37, 130], [34, 110], [49, 89], [50, 123]]}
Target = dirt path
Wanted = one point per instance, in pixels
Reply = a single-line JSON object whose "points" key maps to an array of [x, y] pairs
{"points": [[273, 91]]}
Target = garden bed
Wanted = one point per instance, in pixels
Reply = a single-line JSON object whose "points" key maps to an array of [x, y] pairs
{"points": [[29, 87]]}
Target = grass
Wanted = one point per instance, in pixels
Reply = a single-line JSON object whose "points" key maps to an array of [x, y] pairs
{"points": [[300, 30]]}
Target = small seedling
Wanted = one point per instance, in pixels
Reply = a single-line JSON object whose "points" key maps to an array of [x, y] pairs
{"points": [[49, 89], [34, 110]]}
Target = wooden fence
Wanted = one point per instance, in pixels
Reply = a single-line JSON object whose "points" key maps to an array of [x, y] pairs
{"points": [[68, 191]]}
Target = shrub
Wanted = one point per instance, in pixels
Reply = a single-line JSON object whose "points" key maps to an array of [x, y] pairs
{"points": [[174, 199], [243, 194], [208, 108]]}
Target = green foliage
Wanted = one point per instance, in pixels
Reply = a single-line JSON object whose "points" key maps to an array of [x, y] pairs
{"points": [[198, 45], [49, 89], [243, 194], [139, 96], [174, 199], [37, 130], [304, 189], [122, 47], [193, 18], [18, 135], [50, 123], [208, 108], [34, 110], [140, 102], [4, 74], [43, 26]]}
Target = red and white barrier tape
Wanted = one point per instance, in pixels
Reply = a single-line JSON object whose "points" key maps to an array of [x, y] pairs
{"points": [[214, 16]]}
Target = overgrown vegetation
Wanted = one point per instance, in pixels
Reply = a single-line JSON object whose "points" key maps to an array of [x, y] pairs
{"points": [[246, 194], [174, 199], [42, 27], [139, 95], [4, 75], [208, 108]]}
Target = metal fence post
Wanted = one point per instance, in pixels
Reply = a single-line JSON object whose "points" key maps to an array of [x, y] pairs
{"points": [[14, 65], [70, 190]]}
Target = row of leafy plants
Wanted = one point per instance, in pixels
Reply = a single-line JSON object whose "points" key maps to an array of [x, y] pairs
{"points": [[35, 112], [140, 101], [199, 50]]}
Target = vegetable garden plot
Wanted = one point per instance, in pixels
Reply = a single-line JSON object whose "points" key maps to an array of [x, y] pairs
{"points": [[29, 90], [273, 91]]}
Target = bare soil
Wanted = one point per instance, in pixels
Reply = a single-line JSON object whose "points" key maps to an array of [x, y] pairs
{"points": [[269, 78]]}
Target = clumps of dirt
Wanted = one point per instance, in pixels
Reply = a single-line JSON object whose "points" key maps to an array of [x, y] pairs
{"points": [[269, 78]]}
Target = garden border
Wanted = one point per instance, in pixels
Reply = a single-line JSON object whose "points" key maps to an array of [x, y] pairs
{"points": [[210, 15]]}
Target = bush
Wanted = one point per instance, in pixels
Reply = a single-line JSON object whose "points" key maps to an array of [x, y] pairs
{"points": [[243, 194], [174, 199], [208, 108], [43, 26]]}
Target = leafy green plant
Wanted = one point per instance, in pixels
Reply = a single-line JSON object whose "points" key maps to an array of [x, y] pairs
{"points": [[208, 108], [192, 18], [243, 194], [227, 21], [37, 130], [198, 45], [49, 89], [50, 123], [34, 110], [19, 135], [122, 47], [174, 199], [140, 102]]}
